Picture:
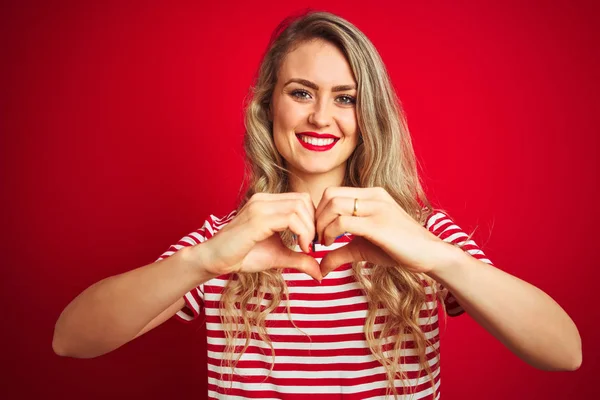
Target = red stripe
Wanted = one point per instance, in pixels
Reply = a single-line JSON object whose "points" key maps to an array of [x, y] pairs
{"points": [[326, 282], [295, 310], [408, 344], [359, 351], [343, 382], [336, 323], [316, 297], [261, 394]]}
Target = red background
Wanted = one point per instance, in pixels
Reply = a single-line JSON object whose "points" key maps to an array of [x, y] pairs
{"points": [[122, 126]]}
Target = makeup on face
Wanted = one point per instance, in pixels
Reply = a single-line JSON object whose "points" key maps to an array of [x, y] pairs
{"points": [[317, 141]]}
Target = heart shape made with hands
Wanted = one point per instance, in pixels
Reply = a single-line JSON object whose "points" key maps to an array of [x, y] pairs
{"points": [[358, 249], [333, 218]]}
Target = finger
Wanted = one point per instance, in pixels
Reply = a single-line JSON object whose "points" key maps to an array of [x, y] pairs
{"points": [[358, 226], [267, 210], [308, 214], [304, 196], [301, 262], [344, 206], [345, 191], [338, 257], [293, 221], [359, 249]]}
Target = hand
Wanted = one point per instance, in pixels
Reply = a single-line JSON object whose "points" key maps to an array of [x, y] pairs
{"points": [[249, 244], [384, 233]]}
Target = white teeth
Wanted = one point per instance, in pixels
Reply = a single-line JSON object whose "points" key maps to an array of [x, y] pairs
{"points": [[315, 141]]}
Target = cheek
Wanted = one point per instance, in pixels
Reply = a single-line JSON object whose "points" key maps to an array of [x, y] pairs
{"points": [[283, 123], [349, 125], [288, 115]]}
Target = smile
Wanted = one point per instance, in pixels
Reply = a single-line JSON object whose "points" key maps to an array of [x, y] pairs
{"points": [[315, 144]]}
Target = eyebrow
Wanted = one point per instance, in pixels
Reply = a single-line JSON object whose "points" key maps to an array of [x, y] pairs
{"points": [[312, 85]]}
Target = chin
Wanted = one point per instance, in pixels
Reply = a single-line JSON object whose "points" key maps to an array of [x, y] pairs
{"points": [[318, 169]]}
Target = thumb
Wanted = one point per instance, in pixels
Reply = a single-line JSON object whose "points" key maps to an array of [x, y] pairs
{"points": [[301, 262], [338, 257]]}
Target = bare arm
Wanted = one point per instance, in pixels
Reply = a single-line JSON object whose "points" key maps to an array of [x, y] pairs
{"points": [[120, 308], [524, 318]]}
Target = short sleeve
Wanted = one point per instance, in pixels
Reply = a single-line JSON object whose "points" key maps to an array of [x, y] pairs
{"points": [[195, 297], [441, 225]]}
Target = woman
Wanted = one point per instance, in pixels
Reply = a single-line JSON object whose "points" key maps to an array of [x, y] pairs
{"points": [[331, 173]]}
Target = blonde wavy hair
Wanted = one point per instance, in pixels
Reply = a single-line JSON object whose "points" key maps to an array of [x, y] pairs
{"points": [[383, 158]]}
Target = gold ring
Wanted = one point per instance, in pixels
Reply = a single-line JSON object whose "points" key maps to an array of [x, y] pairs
{"points": [[355, 212]]}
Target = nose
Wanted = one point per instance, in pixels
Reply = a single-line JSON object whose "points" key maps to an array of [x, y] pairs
{"points": [[320, 115]]}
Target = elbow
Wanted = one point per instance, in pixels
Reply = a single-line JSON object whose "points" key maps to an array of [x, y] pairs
{"points": [[575, 362], [572, 354], [62, 348], [58, 349], [66, 347], [572, 364], [58, 346], [576, 354], [570, 361]]}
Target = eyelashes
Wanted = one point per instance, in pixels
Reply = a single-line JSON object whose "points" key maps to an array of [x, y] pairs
{"points": [[301, 94]]}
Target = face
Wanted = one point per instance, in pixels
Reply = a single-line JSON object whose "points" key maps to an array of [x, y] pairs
{"points": [[315, 95]]}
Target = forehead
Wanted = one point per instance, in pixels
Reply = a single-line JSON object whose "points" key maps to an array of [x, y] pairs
{"points": [[318, 61]]}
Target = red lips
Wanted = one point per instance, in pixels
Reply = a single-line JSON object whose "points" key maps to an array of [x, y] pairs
{"points": [[313, 147], [318, 135]]}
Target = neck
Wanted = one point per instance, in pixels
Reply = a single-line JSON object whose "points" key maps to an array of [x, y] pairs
{"points": [[315, 184]]}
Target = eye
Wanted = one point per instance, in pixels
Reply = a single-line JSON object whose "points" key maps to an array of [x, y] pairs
{"points": [[300, 94], [346, 99]]}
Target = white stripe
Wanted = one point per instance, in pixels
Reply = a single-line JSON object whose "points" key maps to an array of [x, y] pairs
{"points": [[315, 331], [418, 395], [325, 317], [198, 236], [309, 289], [325, 389], [434, 218], [301, 289], [310, 317], [324, 289], [193, 301], [213, 394], [184, 316], [320, 247], [313, 346], [452, 238], [326, 362], [314, 304], [209, 228], [300, 303], [452, 227], [475, 251], [188, 239], [300, 276], [441, 223], [199, 291], [262, 372]]}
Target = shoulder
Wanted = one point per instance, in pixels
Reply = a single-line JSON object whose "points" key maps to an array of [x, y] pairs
{"points": [[442, 225], [214, 223], [436, 218]]}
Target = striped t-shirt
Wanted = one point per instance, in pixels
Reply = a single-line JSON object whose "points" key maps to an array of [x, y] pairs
{"points": [[331, 359]]}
